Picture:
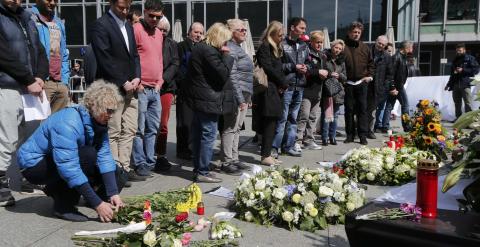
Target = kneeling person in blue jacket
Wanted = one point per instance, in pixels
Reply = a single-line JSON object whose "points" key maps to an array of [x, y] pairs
{"points": [[70, 154]]}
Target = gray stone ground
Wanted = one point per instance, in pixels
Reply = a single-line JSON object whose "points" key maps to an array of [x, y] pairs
{"points": [[31, 223]]}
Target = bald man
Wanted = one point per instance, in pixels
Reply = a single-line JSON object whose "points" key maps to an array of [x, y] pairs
{"points": [[378, 90], [184, 113]]}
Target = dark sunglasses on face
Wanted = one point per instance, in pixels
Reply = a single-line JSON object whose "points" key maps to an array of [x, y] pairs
{"points": [[111, 111], [243, 30], [157, 17]]}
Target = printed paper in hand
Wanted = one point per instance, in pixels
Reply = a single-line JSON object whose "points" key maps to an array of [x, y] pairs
{"points": [[34, 109]]}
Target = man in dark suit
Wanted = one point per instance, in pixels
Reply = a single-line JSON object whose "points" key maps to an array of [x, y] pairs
{"points": [[118, 62]]}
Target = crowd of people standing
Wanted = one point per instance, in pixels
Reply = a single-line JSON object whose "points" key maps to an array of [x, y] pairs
{"points": [[118, 135]]}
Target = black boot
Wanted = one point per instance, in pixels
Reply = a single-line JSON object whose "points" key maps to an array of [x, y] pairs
{"points": [[333, 141], [349, 139], [324, 142]]}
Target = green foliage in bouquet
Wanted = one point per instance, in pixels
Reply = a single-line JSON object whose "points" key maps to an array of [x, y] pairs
{"points": [[426, 131], [163, 205], [469, 163], [297, 197], [383, 166]]}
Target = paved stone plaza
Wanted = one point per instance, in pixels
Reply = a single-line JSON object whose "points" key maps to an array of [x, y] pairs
{"points": [[31, 222]]}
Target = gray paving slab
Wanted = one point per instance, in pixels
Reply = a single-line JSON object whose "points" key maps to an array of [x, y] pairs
{"points": [[30, 222]]}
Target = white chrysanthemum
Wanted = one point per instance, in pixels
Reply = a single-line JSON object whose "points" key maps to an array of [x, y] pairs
{"points": [[331, 209], [324, 191], [350, 206], [260, 184], [296, 215], [339, 197], [307, 178]]}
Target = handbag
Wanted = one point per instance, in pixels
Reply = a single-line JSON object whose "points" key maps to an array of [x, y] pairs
{"points": [[260, 80], [332, 87]]}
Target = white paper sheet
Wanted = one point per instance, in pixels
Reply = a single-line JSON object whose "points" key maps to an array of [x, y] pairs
{"points": [[408, 193], [354, 83], [222, 192], [34, 109]]}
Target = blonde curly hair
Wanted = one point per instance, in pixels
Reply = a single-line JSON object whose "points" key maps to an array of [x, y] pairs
{"points": [[100, 97], [217, 35]]}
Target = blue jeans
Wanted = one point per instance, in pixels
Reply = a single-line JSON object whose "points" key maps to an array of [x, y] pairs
{"points": [[204, 133], [402, 98], [287, 124], [329, 129], [149, 110], [380, 113]]}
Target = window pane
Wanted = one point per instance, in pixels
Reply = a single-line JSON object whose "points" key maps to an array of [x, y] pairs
{"points": [[295, 8], [316, 21], [353, 10], [255, 13], [91, 16], [197, 11], [219, 12], [379, 18], [73, 24], [462, 10], [433, 9], [276, 11]]}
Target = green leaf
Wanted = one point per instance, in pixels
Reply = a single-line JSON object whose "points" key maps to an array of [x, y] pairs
{"points": [[321, 221], [452, 178], [341, 219], [307, 224]]}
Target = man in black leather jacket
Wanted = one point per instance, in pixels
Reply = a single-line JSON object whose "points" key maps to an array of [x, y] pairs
{"points": [[397, 90]]}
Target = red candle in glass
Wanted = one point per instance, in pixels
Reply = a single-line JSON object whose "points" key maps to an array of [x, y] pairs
{"points": [[427, 187], [200, 208]]}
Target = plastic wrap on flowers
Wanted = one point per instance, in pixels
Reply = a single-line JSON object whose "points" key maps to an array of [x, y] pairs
{"points": [[383, 166], [307, 199]]}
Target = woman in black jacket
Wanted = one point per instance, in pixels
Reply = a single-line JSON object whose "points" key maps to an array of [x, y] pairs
{"points": [[267, 105], [209, 95]]}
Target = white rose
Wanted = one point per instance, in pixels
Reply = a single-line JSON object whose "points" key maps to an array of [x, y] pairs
{"points": [[251, 196], [149, 238], [287, 216], [370, 176], [279, 193], [177, 243], [260, 185], [248, 216], [308, 207], [308, 178], [324, 191]]}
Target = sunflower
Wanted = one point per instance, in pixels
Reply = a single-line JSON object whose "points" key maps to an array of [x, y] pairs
{"points": [[428, 140], [431, 126], [428, 111], [424, 102], [438, 128]]}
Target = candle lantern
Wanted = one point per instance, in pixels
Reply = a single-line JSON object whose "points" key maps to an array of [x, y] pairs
{"points": [[427, 187]]}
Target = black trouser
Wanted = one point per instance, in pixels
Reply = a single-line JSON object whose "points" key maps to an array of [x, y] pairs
{"points": [[268, 133], [356, 104], [371, 106], [184, 122], [65, 198]]}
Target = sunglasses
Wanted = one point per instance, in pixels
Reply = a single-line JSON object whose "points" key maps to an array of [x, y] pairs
{"points": [[155, 17], [243, 30], [111, 111]]}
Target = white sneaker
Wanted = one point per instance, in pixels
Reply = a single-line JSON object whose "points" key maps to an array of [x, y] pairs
{"points": [[312, 146], [297, 147]]}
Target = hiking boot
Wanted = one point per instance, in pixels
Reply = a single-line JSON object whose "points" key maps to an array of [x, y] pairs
{"points": [[209, 178], [133, 177], [162, 165], [230, 170], [363, 140], [349, 139]]}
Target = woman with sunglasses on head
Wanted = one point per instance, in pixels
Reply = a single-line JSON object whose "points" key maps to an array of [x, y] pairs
{"points": [[242, 80], [70, 154]]}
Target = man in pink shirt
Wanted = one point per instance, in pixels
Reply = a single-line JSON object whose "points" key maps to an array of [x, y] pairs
{"points": [[149, 41]]}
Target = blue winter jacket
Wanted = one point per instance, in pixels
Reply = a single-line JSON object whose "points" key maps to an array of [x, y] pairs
{"points": [[44, 35], [61, 135]]}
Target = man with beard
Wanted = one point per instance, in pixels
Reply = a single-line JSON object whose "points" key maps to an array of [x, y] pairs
{"points": [[464, 66], [51, 32]]}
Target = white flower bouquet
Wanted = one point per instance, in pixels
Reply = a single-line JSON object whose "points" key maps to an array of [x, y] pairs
{"points": [[297, 197], [383, 166]]}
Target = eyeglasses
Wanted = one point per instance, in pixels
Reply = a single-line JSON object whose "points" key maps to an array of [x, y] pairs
{"points": [[155, 17], [242, 30], [163, 30]]}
